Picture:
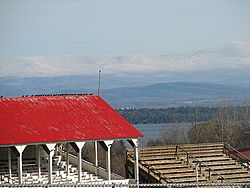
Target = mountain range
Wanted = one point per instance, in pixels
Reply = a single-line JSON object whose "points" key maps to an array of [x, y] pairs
{"points": [[177, 94], [150, 80]]}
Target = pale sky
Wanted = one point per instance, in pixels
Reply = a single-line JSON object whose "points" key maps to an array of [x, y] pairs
{"points": [[119, 27]]}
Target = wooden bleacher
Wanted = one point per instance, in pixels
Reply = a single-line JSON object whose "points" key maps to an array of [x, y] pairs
{"points": [[188, 164]]}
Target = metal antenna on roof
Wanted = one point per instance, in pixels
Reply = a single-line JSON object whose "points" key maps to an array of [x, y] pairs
{"points": [[99, 83]]}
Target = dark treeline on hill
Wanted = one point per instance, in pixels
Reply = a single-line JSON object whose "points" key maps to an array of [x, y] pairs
{"points": [[225, 123], [168, 115], [177, 114]]}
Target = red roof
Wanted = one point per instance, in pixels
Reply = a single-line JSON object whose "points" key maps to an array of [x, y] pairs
{"points": [[44, 119]]}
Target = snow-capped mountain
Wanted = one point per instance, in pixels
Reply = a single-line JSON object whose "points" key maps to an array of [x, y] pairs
{"points": [[235, 56]]}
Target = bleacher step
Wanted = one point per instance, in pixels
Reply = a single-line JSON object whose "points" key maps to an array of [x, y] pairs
{"points": [[213, 159], [175, 171], [233, 173], [220, 163], [189, 180], [179, 176], [157, 158], [162, 162], [230, 168], [165, 167]]}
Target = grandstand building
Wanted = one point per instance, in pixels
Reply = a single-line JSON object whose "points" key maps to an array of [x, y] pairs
{"points": [[33, 128]]}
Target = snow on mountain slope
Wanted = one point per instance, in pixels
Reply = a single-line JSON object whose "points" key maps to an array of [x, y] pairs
{"points": [[232, 57]]}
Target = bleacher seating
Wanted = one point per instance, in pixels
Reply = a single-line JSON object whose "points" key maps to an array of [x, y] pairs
{"points": [[182, 164], [30, 172]]}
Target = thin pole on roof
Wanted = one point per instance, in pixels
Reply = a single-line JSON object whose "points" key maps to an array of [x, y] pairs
{"points": [[99, 83]]}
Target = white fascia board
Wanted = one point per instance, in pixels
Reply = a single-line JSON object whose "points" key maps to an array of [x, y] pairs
{"points": [[66, 141]]}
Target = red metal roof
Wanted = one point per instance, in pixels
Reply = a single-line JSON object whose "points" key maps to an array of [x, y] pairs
{"points": [[43, 119]]}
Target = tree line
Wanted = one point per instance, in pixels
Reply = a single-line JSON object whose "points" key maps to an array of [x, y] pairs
{"points": [[168, 115], [230, 124]]}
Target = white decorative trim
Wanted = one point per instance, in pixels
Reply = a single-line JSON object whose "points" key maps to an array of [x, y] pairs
{"points": [[108, 143], [135, 141], [51, 147], [20, 148], [80, 144]]}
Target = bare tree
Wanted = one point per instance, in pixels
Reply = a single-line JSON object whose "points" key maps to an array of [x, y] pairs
{"points": [[225, 127]]}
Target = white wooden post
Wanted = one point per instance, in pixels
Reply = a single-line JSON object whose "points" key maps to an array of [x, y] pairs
{"points": [[80, 165], [96, 158], [20, 168], [67, 159], [50, 167], [136, 160], [39, 161], [19, 162], [134, 144], [109, 164], [51, 148], [108, 144], [80, 145], [9, 161]]}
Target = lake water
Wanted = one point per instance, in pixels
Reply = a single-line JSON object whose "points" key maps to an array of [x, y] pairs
{"points": [[154, 131]]}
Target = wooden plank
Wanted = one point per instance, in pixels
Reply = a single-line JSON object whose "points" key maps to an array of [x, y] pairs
{"points": [[172, 147], [211, 159], [206, 155], [224, 167], [234, 173], [236, 176], [192, 152], [162, 162], [176, 171], [220, 163], [165, 167], [156, 158], [189, 180], [178, 176]]}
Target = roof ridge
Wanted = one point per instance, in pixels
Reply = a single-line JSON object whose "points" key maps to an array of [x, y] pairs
{"points": [[51, 95], [60, 94]]}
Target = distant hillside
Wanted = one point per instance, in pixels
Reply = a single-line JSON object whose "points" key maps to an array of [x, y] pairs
{"points": [[175, 94], [150, 96]]}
